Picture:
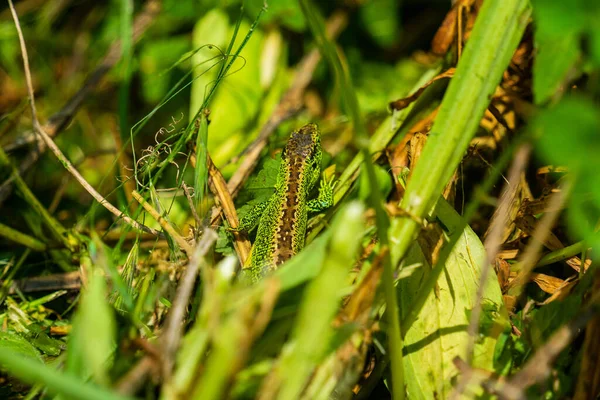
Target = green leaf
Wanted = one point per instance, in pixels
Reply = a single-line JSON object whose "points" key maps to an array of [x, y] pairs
{"points": [[384, 183], [210, 31], [15, 344], [260, 186], [439, 333], [558, 18], [33, 372], [376, 83], [549, 71], [92, 340], [560, 27], [43, 342], [548, 319], [237, 101], [568, 136], [267, 176], [595, 47]]}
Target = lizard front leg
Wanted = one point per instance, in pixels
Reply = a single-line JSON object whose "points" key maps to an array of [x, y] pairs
{"points": [[250, 220], [325, 198]]}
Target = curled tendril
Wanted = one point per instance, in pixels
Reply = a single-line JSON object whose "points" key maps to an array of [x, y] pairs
{"points": [[126, 168], [161, 132], [172, 128], [153, 154], [190, 189], [175, 122]]}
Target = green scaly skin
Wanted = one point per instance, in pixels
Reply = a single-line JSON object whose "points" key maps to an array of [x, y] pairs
{"points": [[282, 219]]}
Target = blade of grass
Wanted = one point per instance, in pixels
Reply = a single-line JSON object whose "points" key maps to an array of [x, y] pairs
{"points": [[313, 328], [126, 35], [393, 125], [201, 170], [34, 372], [21, 238], [361, 140], [188, 134], [495, 36]]}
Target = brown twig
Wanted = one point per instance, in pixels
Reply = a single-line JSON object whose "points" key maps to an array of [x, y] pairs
{"points": [[135, 378], [400, 104], [163, 223], [50, 143], [188, 196], [60, 120], [66, 281], [221, 191], [172, 330], [588, 382], [492, 246]]}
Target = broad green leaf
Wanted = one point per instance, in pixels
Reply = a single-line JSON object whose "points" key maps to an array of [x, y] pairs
{"points": [[43, 342], [210, 31], [560, 28], [546, 320], [384, 183], [377, 83], [237, 100], [558, 18], [549, 71], [17, 345], [568, 136], [92, 339], [440, 332], [260, 186], [181, 10]]}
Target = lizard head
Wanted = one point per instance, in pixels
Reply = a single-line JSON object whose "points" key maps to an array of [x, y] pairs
{"points": [[304, 143]]}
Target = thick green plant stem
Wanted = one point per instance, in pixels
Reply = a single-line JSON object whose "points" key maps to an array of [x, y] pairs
{"points": [[563, 254], [361, 140], [496, 34], [34, 372], [21, 238]]}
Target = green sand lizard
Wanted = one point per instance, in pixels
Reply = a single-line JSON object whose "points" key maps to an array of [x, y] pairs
{"points": [[283, 217]]}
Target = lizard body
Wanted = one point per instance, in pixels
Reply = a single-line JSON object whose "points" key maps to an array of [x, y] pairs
{"points": [[283, 217]]}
